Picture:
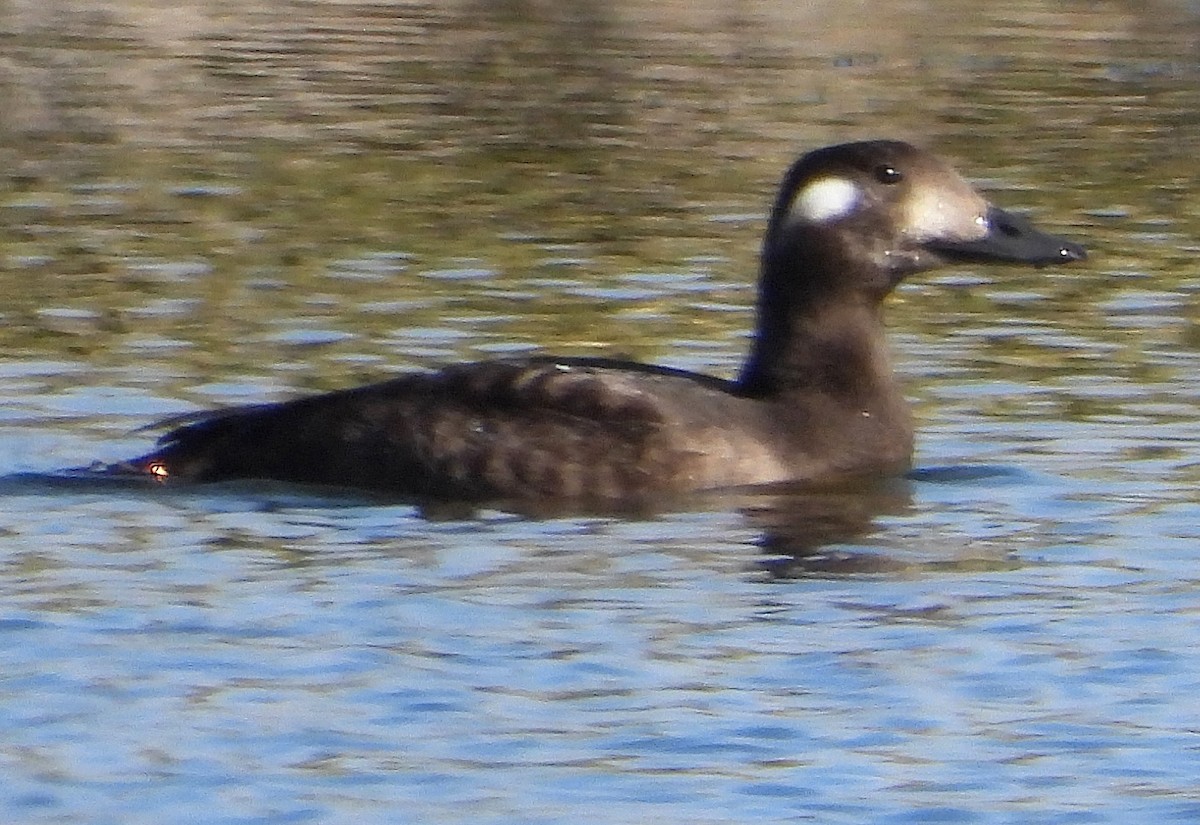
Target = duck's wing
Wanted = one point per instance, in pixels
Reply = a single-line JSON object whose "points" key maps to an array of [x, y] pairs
{"points": [[554, 428]]}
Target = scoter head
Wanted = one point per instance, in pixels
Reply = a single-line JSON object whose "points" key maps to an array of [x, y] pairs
{"points": [[859, 217]]}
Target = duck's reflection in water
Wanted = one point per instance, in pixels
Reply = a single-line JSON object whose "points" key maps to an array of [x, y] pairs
{"points": [[827, 532], [854, 527]]}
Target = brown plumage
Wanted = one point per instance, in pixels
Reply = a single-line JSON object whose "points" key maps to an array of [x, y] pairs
{"points": [[816, 400]]}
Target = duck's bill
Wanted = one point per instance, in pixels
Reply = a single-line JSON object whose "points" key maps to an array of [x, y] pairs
{"points": [[1012, 238]]}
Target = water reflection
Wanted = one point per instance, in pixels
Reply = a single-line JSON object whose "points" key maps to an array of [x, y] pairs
{"points": [[801, 531], [827, 532]]}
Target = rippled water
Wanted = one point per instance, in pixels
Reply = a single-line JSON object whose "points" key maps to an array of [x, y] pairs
{"points": [[214, 204]]}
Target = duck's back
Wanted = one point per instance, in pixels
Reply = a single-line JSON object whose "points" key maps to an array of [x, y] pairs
{"points": [[582, 429]]}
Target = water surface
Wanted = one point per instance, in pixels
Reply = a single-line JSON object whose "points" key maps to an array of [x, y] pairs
{"points": [[218, 204]]}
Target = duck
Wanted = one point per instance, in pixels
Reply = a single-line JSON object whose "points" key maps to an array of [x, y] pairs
{"points": [[816, 401]]}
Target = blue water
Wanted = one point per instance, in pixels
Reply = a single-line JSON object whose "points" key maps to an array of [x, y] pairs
{"points": [[285, 658]]}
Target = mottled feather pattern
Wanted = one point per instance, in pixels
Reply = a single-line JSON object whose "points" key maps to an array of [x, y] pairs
{"points": [[471, 431]]}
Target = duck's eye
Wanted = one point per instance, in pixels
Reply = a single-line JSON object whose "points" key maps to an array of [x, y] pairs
{"points": [[888, 174]]}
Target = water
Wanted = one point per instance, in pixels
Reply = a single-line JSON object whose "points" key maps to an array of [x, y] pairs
{"points": [[218, 204]]}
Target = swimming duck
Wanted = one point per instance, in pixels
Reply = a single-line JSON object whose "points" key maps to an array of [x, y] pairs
{"points": [[815, 401]]}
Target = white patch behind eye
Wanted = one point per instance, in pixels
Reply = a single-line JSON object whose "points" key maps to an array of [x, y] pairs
{"points": [[826, 199]]}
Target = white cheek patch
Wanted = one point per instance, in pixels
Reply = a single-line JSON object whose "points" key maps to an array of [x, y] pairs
{"points": [[825, 199]]}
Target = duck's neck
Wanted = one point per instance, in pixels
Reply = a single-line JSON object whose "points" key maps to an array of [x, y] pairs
{"points": [[827, 346]]}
